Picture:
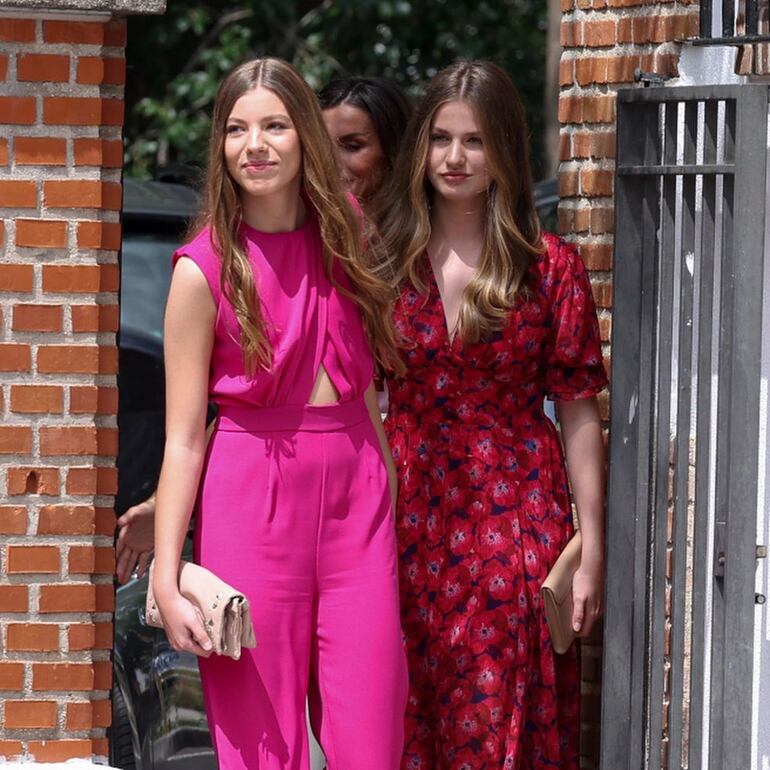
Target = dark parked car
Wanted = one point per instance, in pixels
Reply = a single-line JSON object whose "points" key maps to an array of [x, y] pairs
{"points": [[158, 721]]}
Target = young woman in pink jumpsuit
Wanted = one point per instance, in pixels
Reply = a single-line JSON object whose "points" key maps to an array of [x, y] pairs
{"points": [[272, 315]]}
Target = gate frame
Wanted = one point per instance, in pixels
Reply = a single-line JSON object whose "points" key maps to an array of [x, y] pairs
{"points": [[629, 645]]}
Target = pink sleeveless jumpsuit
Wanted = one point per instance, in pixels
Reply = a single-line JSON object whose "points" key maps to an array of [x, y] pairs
{"points": [[294, 510]]}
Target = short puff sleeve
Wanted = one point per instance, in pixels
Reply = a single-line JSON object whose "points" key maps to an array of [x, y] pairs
{"points": [[573, 353]]}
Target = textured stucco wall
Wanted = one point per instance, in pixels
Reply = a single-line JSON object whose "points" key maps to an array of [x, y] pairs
{"points": [[106, 6]]}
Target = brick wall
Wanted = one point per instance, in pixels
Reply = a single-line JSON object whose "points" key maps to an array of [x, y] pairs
{"points": [[604, 42], [61, 114]]}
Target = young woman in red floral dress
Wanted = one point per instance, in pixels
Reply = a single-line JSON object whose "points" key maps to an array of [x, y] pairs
{"points": [[495, 316]]}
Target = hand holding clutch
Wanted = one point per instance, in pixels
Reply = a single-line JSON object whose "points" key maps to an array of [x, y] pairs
{"points": [[556, 594], [223, 610]]}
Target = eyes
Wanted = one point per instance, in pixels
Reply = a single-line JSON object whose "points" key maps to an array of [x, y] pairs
{"points": [[274, 127], [441, 139]]}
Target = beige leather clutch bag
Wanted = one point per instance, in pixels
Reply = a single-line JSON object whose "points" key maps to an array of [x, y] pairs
{"points": [[556, 594], [223, 610]]}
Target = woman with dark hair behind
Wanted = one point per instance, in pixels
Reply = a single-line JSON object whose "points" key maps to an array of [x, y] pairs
{"points": [[366, 118], [495, 315]]}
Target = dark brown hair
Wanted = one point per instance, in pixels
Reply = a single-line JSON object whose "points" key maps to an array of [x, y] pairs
{"points": [[381, 99]]}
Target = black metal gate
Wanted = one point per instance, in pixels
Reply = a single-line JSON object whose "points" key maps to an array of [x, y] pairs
{"points": [[686, 347]]}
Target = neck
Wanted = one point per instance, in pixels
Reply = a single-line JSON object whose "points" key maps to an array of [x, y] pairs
{"points": [[279, 212], [458, 225]]}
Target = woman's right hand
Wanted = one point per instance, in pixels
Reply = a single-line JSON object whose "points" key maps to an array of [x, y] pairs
{"points": [[183, 626], [135, 540]]}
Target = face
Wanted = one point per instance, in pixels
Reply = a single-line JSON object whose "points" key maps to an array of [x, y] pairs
{"points": [[358, 148], [457, 161], [262, 149]]}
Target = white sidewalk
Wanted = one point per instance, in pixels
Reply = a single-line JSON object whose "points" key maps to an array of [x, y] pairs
{"points": [[71, 764]]}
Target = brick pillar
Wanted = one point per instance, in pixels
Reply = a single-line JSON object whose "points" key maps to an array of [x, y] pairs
{"points": [[604, 41], [61, 116]]}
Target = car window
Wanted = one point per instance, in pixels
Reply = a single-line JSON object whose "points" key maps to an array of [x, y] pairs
{"points": [[547, 213], [145, 278]]}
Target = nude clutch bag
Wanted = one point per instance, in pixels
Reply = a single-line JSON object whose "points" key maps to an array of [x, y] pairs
{"points": [[223, 610], [556, 593]]}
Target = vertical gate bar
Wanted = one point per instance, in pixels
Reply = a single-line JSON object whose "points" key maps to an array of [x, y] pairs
{"points": [[701, 558], [706, 16], [690, 132], [660, 453], [710, 129], [671, 130], [659, 473], [752, 17], [682, 443], [728, 18], [745, 356], [724, 404], [624, 655], [648, 709], [640, 681], [728, 151]]}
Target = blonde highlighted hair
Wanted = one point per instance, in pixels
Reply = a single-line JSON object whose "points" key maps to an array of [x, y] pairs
{"points": [[512, 229], [340, 226]]}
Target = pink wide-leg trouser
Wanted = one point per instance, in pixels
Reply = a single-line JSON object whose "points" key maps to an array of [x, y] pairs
{"points": [[294, 510]]}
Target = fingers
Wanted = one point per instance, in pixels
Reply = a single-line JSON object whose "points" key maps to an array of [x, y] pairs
{"points": [[184, 628], [196, 641], [120, 544], [125, 519], [141, 564], [124, 566], [591, 614], [588, 625], [137, 527], [202, 640], [128, 561], [578, 614]]}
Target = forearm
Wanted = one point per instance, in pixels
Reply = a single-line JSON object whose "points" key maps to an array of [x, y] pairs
{"points": [[176, 495], [584, 449], [188, 343]]}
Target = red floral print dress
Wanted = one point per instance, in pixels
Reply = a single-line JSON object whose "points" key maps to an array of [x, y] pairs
{"points": [[483, 512]]}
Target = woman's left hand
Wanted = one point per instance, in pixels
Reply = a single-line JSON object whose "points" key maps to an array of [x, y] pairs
{"points": [[587, 596], [393, 486]]}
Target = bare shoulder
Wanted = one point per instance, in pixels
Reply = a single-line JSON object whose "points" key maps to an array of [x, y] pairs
{"points": [[189, 294]]}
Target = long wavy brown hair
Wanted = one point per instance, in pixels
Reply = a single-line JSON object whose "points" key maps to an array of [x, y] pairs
{"points": [[341, 228], [512, 229]]}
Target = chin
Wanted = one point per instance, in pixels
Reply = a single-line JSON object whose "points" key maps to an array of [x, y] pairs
{"points": [[458, 194], [260, 187]]}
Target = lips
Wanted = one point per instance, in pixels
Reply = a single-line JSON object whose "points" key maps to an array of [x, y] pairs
{"points": [[260, 165], [454, 177]]}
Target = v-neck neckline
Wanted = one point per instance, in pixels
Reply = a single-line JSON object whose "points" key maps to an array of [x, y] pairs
{"points": [[450, 336]]}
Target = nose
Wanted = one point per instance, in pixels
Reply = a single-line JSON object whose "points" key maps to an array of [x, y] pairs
{"points": [[455, 155], [256, 139]]}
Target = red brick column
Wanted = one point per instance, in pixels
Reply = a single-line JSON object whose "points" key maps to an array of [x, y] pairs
{"points": [[604, 41], [61, 115]]}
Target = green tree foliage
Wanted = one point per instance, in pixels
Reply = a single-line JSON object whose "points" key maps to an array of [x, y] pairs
{"points": [[177, 60]]}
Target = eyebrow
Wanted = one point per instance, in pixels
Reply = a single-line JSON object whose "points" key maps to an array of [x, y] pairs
{"points": [[439, 130], [277, 116], [355, 134]]}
